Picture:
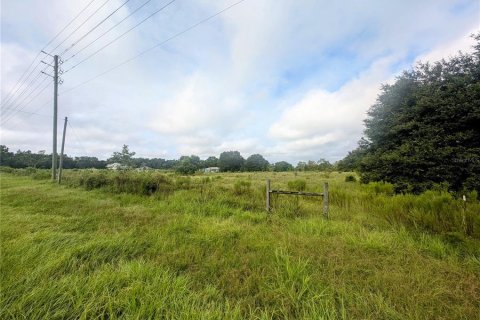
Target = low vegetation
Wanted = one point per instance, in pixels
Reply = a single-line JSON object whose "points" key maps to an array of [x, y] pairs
{"points": [[159, 245]]}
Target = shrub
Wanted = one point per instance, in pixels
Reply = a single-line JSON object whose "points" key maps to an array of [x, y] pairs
{"points": [[42, 175], [6, 169], [95, 181], [350, 178]]}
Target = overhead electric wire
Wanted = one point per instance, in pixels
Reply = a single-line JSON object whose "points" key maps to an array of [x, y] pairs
{"points": [[81, 25], [37, 109], [111, 28], [95, 27], [76, 138], [27, 90], [12, 109], [35, 113], [20, 81], [68, 24], [120, 36], [156, 46], [9, 117], [24, 91]]}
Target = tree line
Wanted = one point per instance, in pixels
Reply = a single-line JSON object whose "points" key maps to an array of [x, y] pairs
{"points": [[424, 129], [228, 161]]}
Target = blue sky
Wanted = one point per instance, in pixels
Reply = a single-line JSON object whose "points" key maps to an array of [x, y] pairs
{"points": [[291, 80]]}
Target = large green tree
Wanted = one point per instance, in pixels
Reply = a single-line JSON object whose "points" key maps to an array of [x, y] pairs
{"points": [[256, 162], [230, 161], [424, 129], [282, 166]]}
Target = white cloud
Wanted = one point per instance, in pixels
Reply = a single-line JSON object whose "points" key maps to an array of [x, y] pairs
{"points": [[316, 64], [321, 117]]}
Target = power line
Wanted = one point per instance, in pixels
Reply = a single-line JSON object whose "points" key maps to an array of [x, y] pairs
{"points": [[103, 34], [10, 116], [35, 111], [12, 108], [76, 29], [156, 46], [68, 24], [95, 27], [20, 81], [76, 139], [120, 36], [25, 90]]}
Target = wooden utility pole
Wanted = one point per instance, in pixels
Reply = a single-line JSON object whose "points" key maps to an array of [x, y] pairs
{"points": [[55, 115], [60, 167]]}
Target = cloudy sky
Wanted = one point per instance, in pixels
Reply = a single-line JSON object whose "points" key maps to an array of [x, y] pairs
{"points": [[291, 80]]}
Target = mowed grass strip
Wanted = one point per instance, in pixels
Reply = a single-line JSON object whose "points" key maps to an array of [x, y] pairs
{"points": [[67, 253]]}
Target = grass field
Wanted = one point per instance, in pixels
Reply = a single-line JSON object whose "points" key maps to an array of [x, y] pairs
{"points": [[204, 248]]}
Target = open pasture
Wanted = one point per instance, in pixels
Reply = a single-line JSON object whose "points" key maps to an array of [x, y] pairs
{"points": [[147, 245]]}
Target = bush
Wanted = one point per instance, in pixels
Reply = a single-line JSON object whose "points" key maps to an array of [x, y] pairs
{"points": [[6, 169], [95, 181], [350, 178], [42, 175], [297, 185]]}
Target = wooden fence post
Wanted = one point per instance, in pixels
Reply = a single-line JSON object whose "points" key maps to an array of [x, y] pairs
{"points": [[325, 200], [268, 195]]}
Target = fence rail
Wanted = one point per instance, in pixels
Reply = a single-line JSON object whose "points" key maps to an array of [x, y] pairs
{"points": [[299, 193]]}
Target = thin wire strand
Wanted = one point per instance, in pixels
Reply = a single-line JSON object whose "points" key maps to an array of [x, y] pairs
{"points": [[25, 105], [19, 103], [20, 81], [24, 91], [106, 32], [76, 139], [68, 24], [155, 46], [95, 27], [120, 36], [76, 29]]}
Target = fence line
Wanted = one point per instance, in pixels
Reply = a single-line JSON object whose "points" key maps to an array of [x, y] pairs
{"points": [[325, 196]]}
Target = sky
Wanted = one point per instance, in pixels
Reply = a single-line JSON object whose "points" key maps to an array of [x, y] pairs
{"points": [[291, 80]]}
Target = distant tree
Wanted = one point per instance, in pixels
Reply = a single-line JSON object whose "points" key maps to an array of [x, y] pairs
{"points": [[89, 162], [282, 166], [195, 160], [6, 157], [301, 166], [211, 162], [324, 165], [156, 163], [256, 162], [187, 165], [170, 164], [230, 161], [353, 159], [125, 157]]}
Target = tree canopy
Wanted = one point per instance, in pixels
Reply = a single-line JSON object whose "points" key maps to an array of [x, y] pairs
{"points": [[424, 129], [256, 162]]}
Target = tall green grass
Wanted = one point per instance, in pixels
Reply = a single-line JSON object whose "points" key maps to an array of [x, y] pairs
{"points": [[203, 247]]}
